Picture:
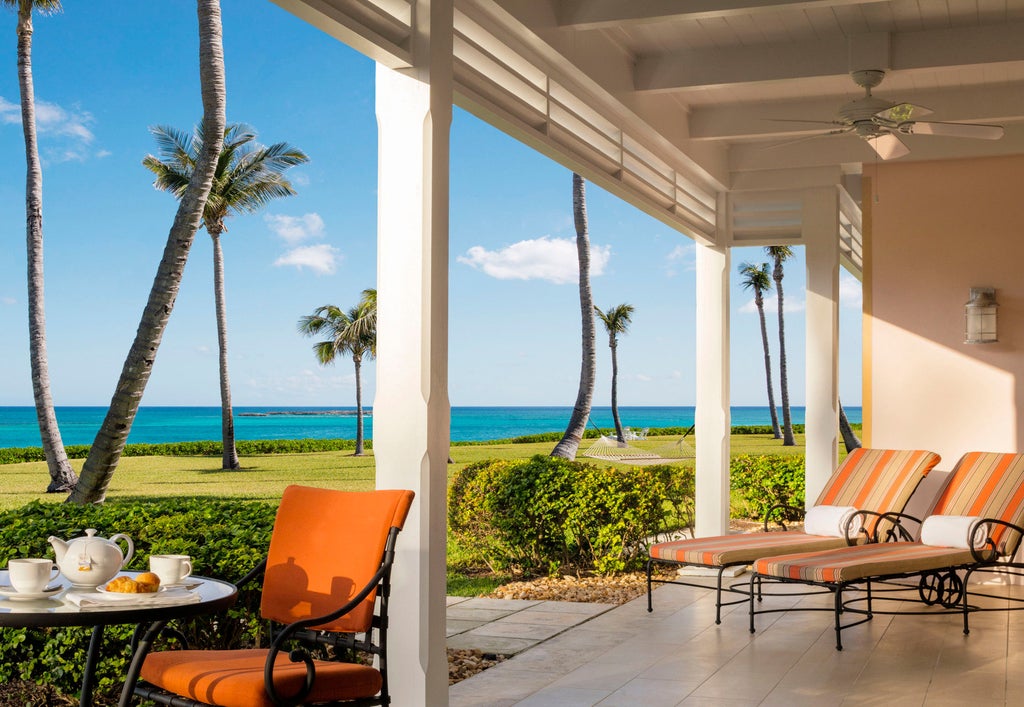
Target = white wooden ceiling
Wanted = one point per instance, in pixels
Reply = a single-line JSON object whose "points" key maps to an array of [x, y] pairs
{"points": [[670, 103], [725, 70]]}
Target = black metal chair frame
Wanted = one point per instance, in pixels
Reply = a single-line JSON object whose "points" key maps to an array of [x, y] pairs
{"points": [[942, 586], [741, 588], [283, 640]]}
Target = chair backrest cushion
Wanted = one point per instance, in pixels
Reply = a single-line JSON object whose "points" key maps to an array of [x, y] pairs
{"points": [[988, 485], [326, 545], [877, 480]]}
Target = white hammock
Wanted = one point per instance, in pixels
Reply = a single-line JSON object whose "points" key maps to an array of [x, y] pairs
{"points": [[610, 449]]}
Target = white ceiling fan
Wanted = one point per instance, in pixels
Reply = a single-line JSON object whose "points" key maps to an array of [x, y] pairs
{"points": [[880, 122]]}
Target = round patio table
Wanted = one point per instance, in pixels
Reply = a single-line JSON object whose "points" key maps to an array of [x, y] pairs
{"points": [[58, 610]]}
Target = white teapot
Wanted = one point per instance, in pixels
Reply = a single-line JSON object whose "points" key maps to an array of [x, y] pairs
{"points": [[90, 561]]}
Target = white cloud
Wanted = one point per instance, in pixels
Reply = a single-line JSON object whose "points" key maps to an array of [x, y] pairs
{"points": [[9, 112], [65, 132], [850, 291], [295, 229], [321, 259], [643, 378], [8, 300], [545, 258], [771, 306], [682, 257]]}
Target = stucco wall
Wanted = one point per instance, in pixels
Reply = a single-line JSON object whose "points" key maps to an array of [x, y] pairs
{"points": [[936, 230]]}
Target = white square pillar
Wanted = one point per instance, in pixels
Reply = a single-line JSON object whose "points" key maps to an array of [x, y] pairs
{"points": [[712, 417], [821, 235], [411, 414]]}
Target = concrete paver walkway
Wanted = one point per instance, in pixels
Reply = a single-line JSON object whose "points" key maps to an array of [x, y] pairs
{"points": [[509, 626]]}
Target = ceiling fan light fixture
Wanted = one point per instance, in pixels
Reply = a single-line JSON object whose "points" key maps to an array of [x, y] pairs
{"points": [[888, 146]]}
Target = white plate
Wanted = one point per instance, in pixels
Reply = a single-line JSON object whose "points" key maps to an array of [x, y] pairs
{"points": [[10, 593], [128, 596]]}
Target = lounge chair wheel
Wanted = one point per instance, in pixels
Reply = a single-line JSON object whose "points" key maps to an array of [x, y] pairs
{"points": [[946, 589], [930, 588], [954, 593]]}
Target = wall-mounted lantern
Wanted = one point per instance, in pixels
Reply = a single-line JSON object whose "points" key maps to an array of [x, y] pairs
{"points": [[980, 316]]}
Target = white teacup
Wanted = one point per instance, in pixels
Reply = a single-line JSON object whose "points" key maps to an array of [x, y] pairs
{"points": [[30, 575], [171, 569]]}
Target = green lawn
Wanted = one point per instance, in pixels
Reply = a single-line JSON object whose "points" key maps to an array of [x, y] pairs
{"points": [[264, 477]]}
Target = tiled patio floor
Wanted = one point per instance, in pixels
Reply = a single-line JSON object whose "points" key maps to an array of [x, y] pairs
{"points": [[678, 656]]}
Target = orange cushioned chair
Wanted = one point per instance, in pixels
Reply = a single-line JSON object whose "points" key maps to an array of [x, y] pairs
{"points": [[325, 587], [874, 481]]}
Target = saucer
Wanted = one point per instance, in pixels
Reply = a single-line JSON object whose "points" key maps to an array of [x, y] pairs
{"points": [[9, 592]]}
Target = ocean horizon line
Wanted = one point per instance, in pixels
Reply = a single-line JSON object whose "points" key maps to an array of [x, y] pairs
{"points": [[155, 424]]}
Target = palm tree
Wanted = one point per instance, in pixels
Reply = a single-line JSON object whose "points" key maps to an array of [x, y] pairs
{"points": [[570, 442], [107, 447], [62, 476], [248, 176], [354, 332], [850, 439], [616, 321], [780, 254], [757, 279]]}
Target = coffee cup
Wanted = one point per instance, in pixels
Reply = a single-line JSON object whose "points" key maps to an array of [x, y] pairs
{"points": [[171, 569], [30, 575]]}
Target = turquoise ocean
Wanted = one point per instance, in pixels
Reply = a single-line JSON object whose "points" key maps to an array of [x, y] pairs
{"points": [[78, 425]]}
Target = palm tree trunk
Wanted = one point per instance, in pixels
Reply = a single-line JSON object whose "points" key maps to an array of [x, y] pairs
{"points": [[107, 447], [615, 391], [62, 476], [570, 442], [358, 360], [850, 439], [776, 433], [229, 455], [788, 440]]}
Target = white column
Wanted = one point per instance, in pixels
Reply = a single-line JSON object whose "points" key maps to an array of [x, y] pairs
{"points": [[411, 409], [821, 235], [712, 416]]}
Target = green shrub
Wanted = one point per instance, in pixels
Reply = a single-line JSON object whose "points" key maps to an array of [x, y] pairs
{"points": [[225, 539], [760, 482], [203, 448], [545, 515]]}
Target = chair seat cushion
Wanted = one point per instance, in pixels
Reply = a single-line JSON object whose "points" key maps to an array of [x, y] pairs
{"points": [[740, 548], [855, 563], [235, 678]]}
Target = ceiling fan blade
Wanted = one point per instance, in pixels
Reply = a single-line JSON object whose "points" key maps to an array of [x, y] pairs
{"points": [[902, 112], [888, 146], [802, 120], [805, 138], [974, 130]]}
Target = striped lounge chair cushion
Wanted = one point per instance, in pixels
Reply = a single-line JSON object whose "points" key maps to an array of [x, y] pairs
{"points": [[869, 479], [740, 548], [849, 564], [990, 486]]}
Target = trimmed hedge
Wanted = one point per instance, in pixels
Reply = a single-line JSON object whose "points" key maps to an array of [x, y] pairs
{"points": [[225, 539], [762, 481], [204, 448], [548, 515]]}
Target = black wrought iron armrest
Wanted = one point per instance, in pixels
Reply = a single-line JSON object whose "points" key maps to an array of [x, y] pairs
{"points": [[780, 507], [897, 533], [989, 552], [861, 531], [291, 629]]}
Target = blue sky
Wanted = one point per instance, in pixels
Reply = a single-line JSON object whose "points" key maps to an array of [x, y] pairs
{"points": [[102, 79]]}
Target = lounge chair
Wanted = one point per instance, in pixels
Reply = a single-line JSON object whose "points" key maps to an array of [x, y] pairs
{"points": [[983, 485], [872, 480], [325, 591]]}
